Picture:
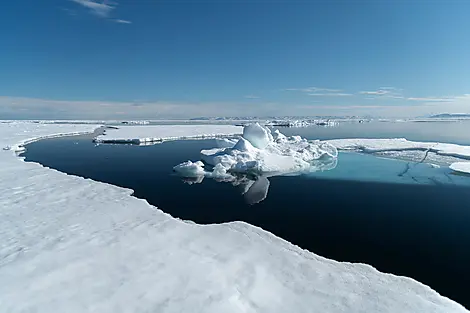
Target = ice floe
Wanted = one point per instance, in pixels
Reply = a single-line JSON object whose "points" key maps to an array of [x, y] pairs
{"points": [[462, 167], [259, 151], [71, 244], [401, 144], [158, 133]]}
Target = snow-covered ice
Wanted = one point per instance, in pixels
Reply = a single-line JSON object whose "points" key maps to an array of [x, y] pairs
{"points": [[259, 151], [157, 133], [71, 244], [190, 169], [462, 167], [401, 144]]}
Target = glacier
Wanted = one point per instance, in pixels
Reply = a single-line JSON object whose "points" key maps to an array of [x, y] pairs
{"points": [[71, 244]]}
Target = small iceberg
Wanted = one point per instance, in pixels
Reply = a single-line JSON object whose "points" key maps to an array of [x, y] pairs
{"points": [[260, 151], [260, 154]]}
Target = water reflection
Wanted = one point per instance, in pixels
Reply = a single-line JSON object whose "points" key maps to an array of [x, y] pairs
{"points": [[254, 188]]}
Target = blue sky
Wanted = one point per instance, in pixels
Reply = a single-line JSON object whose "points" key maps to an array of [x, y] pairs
{"points": [[150, 59]]}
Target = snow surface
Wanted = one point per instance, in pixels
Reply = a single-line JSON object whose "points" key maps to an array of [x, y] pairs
{"points": [[463, 167], [156, 133], [401, 144], [71, 244], [259, 151]]}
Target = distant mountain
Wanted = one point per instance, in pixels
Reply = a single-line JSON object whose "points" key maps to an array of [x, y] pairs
{"points": [[451, 115]]}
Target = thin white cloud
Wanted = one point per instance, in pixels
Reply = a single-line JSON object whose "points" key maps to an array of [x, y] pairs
{"points": [[374, 93], [339, 94], [101, 9], [432, 99], [251, 97], [320, 92], [98, 8], [339, 107], [383, 92], [32, 108], [313, 89], [122, 21]]}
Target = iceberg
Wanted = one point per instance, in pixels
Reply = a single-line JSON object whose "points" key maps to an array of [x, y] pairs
{"points": [[256, 156], [190, 169], [260, 151]]}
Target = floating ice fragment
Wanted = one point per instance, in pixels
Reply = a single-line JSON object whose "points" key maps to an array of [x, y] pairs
{"points": [[462, 167], [190, 169], [280, 154]]}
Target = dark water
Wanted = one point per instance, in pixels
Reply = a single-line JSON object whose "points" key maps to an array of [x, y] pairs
{"points": [[405, 224]]}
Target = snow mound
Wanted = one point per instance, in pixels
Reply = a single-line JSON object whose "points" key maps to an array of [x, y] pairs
{"points": [[190, 169], [259, 151], [462, 167], [257, 135]]}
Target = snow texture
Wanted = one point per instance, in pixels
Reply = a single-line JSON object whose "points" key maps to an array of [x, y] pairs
{"points": [[462, 167], [190, 169], [259, 151], [401, 144], [74, 245], [158, 133]]}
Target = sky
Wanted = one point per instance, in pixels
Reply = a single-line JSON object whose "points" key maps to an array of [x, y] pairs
{"points": [[84, 59]]}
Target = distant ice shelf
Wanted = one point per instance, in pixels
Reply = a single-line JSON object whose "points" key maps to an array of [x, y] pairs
{"points": [[74, 245], [157, 133]]}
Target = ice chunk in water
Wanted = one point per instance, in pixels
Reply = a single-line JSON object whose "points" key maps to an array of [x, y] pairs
{"points": [[462, 167], [190, 169], [280, 154]]}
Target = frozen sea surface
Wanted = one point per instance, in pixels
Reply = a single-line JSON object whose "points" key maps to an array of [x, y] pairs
{"points": [[158, 133], [76, 245], [443, 131], [402, 217]]}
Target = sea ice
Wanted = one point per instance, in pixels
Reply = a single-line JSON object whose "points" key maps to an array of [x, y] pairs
{"points": [[157, 133], [257, 135], [225, 142], [261, 154], [259, 151], [74, 245], [463, 167], [190, 169], [401, 145]]}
